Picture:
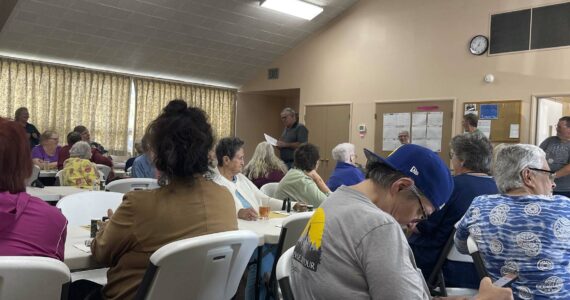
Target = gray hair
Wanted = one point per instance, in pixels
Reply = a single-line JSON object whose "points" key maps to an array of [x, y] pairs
{"points": [[342, 152], [510, 160], [475, 150], [81, 150], [289, 110]]}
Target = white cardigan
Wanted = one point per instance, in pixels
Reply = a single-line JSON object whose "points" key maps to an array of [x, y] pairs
{"points": [[245, 187]]}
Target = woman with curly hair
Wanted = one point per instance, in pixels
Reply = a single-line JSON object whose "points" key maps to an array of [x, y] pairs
{"points": [[264, 167]]}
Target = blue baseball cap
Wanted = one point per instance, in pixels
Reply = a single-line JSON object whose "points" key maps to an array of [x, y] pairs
{"points": [[430, 174]]}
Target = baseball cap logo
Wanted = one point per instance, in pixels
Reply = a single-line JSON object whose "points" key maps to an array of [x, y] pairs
{"points": [[414, 171]]}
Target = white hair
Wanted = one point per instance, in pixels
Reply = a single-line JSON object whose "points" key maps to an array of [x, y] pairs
{"points": [[342, 152], [80, 149], [510, 160]]}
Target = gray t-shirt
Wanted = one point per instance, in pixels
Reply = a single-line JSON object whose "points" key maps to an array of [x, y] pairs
{"points": [[297, 133], [557, 156], [353, 250]]}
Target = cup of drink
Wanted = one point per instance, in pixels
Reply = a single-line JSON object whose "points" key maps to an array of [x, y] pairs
{"points": [[264, 209], [309, 207]]}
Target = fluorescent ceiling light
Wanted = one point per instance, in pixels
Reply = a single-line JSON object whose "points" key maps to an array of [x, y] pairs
{"points": [[296, 8]]}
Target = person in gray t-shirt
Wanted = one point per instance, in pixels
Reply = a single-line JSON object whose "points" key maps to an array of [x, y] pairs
{"points": [[292, 137], [557, 150], [353, 246]]}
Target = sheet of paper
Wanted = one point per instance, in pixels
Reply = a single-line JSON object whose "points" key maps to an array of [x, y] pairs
{"points": [[271, 140], [434, 132], [403, 120], [419, 119], [433, 144], [485, 127], [418, 132], [514, 131], [390, 119], [435, 118], [390, 132], [390, 144]]}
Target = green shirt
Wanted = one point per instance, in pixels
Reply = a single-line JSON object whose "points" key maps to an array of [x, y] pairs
{"points": [[299, 187]]}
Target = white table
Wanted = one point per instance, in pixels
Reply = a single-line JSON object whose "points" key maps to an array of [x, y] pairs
{"points": [[268, 232], [119, 173], [53, 193], [47, 173]]}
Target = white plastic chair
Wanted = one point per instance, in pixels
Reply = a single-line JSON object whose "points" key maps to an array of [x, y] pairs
{"points": [[284, 274], [59, 177], [35, 173], [132, 184], [104, 169], [81, 208], [31, 277], [204, 267], [269, 189], [477, 258]]}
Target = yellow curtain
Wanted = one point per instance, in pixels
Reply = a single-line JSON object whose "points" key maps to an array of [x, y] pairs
{"points": [[60, 98], [153, 95]]}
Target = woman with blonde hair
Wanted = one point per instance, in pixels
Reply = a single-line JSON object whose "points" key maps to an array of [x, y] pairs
{"points": [[46, 154], [264, 167]]}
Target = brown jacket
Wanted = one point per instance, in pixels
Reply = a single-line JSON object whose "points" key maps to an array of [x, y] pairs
{"points": [[147, 220]]}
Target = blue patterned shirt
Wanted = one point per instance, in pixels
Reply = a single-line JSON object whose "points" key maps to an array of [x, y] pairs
{"points": [[527, 235]]}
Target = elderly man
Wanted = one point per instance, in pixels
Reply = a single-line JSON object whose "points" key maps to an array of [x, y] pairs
{"points": [[353, 246], [293, 136], [404, 137], [524, 230], [557, 150], [346, 172]]}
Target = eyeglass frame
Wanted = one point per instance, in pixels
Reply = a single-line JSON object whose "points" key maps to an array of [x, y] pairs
{"points": [[417, 194], [551, 174]]}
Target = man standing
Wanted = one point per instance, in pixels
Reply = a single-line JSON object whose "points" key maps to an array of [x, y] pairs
{"points": [[557, 150], [353, 246], [293, 136], [404, 137]]}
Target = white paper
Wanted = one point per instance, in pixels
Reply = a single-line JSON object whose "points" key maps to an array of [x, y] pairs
{"points": [[434, 132], [390, 144], [419, 119], [435, 118], [433, 144], [390, 119], [485, 127], [403, 120], [514, 131], [418, 132], [271, 140]]}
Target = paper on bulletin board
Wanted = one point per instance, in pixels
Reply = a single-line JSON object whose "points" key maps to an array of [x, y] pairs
{"points": [[393, 124], [419, 119], [435, 118], [390, 144], [489, 111], [485, 127], [514, 131]]}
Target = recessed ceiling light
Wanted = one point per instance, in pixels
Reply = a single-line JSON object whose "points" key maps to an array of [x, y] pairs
{"points": [[296, 8]]}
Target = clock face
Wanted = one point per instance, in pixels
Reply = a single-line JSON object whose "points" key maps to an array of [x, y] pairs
{"points": [[478, 45]]}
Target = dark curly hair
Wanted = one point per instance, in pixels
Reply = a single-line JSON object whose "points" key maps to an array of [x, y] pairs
{"points": [[227, 146], [306, 157], [180, 138]]}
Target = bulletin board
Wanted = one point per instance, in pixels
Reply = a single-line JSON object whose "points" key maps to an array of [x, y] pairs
{"points": [[504, 118]]}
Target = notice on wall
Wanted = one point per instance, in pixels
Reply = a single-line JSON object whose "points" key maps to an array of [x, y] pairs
{"points": [[485, 127], [427, 129], [393, 124], [489, 111], [514, 131]]}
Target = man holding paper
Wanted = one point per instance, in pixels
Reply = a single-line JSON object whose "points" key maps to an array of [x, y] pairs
{"points": [[292, 137]]}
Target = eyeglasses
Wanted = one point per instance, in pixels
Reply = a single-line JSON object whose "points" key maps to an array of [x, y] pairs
{"points": [[551, 174], [417, 194]]}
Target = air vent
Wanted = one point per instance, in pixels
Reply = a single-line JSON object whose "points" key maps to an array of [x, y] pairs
{"points": [[273, 73]]}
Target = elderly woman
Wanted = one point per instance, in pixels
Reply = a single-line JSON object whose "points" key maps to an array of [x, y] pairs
{"points": [[186, 205], [302, 183], [22, 116], [264, 167], [524, 230], [471, 156], [46, 154], [346, 172], [28, 225], [78, 170]]}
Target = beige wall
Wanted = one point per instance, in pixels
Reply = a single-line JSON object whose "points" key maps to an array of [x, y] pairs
{"points": [[258, 114], [385, 50]]}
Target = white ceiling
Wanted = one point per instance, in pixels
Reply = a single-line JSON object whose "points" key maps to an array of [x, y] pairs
{"points": [[219, 42]]}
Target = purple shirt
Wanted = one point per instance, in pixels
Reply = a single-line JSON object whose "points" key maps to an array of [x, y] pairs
{"points": [[30, 227], [273, 176], [39, 152]]}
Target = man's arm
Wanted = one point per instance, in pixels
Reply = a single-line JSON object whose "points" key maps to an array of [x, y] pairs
{"points": [[563, 172]]}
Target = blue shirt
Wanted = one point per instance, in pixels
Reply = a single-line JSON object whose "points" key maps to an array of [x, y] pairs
{"points": [[143, 168], [344, 174], [528, 235]]}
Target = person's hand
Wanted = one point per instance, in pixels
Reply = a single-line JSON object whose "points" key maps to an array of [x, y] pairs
{"points": [[314, 176], [102, 224], [412, 228], [248, 214], [487, 291], [281, 144]]}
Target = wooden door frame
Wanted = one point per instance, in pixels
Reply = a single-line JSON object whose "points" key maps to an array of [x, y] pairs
{"points": [[334, 103], [533, 118]]}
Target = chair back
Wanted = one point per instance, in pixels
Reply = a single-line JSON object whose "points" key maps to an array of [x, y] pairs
{"points": [[81, 208], [31, 277], [35, 173], [59, 177], [204, 267], [105, 170], [132, 184], [269, 188], [283, 274], [477, 258]]}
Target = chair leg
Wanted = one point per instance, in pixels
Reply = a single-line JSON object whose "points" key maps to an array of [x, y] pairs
{"points": [[442, 285]]}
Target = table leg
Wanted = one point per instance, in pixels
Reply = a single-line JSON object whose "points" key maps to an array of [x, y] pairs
{"points": [[259, 258]]}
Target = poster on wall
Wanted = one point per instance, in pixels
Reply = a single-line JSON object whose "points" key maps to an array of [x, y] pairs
{"points": [[470, 108], [393, 124], [427, 129], [489, 111], [485, 127]]}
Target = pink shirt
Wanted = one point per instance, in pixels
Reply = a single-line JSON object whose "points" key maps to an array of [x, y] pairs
{"points": [[30, 227]]}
